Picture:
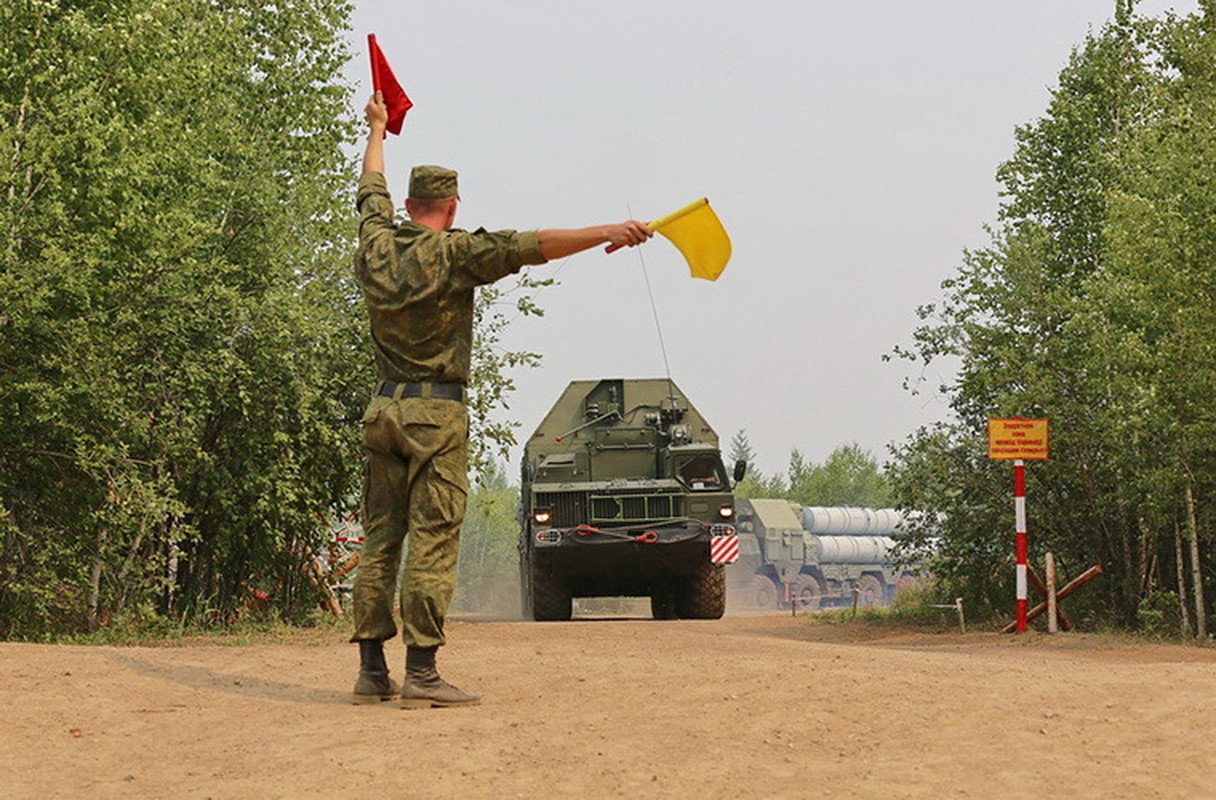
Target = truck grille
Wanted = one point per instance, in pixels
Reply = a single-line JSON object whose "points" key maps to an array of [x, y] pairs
{"points": [[568, 507], [574, 508]]}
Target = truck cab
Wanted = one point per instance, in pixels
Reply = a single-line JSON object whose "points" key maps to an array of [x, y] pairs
{"points": [[623, 490]]}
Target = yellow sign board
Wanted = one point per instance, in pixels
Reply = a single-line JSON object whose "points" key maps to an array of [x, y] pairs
{"points": [[1017, 438]]}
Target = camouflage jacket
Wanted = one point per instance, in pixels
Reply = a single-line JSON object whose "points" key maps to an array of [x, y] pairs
{"points": [[419, 286]]}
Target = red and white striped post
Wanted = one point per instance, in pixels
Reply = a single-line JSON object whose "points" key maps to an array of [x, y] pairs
{"points": [[1019, 513], [1015, 440]]}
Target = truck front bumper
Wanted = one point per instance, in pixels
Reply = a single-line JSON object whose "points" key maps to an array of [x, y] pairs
{"points": [[622, 561]]}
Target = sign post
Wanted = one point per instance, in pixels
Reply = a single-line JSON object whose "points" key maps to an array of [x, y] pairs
{"points": [[1018, 440]]}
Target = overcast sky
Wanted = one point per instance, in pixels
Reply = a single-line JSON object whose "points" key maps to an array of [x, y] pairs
{"points": [[849, 149]]}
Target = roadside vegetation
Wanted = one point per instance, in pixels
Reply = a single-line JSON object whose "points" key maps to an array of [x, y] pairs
{"points": [[183, 354], [1093, 306], [849, 476]]}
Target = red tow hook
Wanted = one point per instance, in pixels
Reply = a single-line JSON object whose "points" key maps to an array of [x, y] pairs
{"points": [[647, 537]]}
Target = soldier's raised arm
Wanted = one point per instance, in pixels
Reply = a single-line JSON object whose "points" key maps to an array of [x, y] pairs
{"points": [[376, 113], [376, 227]]}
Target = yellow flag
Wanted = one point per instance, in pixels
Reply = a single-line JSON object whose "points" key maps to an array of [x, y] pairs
{"points": [[697, 233]]}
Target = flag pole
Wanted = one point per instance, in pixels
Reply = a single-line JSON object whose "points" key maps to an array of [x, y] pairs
{"points": [[371, 54], [667, 220], [675, 215]]}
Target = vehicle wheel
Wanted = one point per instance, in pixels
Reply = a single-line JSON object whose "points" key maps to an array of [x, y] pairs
{"points": [[550, 600], [762, 592], [703, 595], [663, 603], [872, 590], [808, 593]]}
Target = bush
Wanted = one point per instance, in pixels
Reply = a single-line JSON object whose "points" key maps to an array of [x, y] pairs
{"points": [[1160, 615]]}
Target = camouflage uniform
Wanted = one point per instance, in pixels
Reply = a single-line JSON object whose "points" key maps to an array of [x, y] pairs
{"points": [[419, 288]]}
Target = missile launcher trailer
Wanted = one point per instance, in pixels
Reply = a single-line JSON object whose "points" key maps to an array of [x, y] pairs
{"points": [[815, 555], [623, 489]]}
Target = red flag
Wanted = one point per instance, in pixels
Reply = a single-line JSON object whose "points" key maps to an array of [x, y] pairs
{"points": [[383, 80]]}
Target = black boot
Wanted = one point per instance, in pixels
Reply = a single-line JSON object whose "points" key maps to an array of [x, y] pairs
{"points": [[374, 684], [423, 686]]}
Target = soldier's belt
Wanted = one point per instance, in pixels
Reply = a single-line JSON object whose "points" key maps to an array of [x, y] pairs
{"points": [[445, 391]]}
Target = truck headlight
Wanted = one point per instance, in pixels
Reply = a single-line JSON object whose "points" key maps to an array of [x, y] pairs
{"points": [[541, 516], [726, 511]]}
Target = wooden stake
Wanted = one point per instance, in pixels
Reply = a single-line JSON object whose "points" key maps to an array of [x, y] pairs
{"points": [[316, 574], [1082, 579], [345, 568], [1052, 625], [1041, 588]]}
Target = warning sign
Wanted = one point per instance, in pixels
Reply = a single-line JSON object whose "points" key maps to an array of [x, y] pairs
{"points": [[1017, 438]]}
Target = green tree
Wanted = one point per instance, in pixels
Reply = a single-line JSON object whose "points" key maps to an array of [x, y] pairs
{"points": [[1092, 307], [741, 448], [490, 382], [798, 476], [849, 476], [756, 484], [182, 353]]}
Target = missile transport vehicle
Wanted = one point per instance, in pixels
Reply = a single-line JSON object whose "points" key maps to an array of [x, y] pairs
{"points": [[816, 555], [623, 492]]}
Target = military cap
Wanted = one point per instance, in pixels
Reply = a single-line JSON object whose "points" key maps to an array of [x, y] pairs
{"points": [[428, 181]]}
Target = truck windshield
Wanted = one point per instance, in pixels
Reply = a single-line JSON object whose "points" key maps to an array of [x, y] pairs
{"points": [[700, 473]]}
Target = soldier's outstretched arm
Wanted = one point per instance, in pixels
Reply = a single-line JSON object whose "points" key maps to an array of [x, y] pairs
{"points": [[376, 113], [562, 242]]}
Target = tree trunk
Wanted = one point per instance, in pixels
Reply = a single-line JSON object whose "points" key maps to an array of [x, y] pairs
{"points": [[1180, 566], [171, 564], [1131, 580], [1192, 528], [1148, 557], [95, 580], [127, 563]]}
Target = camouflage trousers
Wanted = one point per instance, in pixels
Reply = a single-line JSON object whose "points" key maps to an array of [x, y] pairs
{"points": [[415, 484]]}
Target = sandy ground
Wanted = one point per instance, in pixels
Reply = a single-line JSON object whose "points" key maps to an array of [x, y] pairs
{"points": [[745, 706]]}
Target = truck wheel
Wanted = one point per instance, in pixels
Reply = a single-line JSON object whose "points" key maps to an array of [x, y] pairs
{"points": [[550, 600], [872, 591], [663, 603], [703, 596], [762, 592], [808, 593]]}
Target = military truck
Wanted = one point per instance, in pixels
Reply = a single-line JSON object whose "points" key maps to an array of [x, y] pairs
{"points": [[815, 556], [623, 491]]}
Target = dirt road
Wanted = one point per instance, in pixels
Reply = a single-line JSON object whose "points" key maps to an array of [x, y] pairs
{"points": [[746, 706]]}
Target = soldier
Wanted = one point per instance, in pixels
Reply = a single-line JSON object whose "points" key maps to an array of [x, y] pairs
{"points": [[418, 280]]}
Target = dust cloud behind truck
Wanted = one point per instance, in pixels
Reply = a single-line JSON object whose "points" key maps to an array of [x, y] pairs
{"points": [[623, 491]]}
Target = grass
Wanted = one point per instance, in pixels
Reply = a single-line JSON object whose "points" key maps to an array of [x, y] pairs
{"points": [[143, 630], [914, 607]]}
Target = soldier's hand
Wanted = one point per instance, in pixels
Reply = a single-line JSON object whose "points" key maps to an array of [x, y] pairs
{"points": [[628, 234], [376, 112]]}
